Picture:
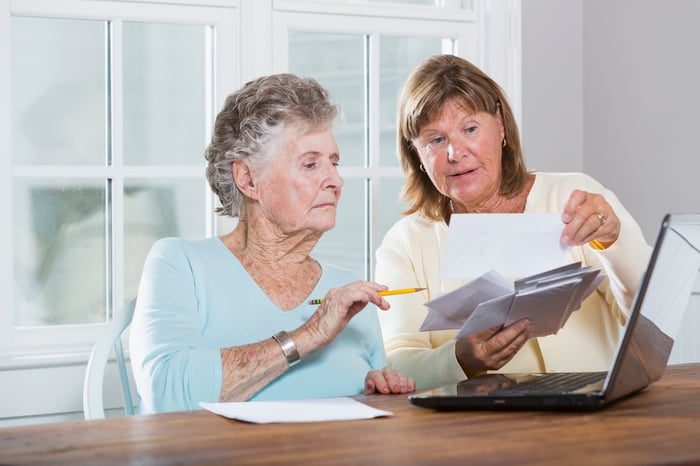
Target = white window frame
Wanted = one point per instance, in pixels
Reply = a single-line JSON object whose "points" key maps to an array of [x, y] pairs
{"points": [[237, 62], [31, 362], [463, 26], [22, 346]]}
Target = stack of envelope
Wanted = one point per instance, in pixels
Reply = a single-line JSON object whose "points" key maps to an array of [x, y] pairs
{"points": [[547, 299]]}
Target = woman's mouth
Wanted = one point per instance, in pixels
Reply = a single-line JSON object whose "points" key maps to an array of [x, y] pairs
{"points": [[464, 173]]}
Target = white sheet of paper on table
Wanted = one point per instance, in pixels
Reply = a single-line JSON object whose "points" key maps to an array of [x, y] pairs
{"points": [[311, 410]]}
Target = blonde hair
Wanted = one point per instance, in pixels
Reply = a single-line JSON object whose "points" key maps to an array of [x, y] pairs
{"points": [[434, 82]]}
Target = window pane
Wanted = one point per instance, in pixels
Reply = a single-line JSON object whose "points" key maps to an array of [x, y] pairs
{"points": [[60, 227], [398, 57], [344, 245], [58, 91], [389, 208], [439, 3], [336, 61], [164, 94], [60, 251], [156, 209]]}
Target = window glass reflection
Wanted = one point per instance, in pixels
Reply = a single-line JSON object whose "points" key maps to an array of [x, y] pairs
{"points": [[58, 91], [389, 207], [398, 57], [164, 93], [344, 245], [60, 252], [62, 228], [336, 61], [156, 209]]}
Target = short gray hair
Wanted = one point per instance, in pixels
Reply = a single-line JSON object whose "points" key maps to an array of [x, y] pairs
{"points": [[252, 119]]}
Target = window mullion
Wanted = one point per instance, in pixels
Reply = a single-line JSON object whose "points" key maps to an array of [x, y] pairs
{"points": [[115, 163], [372, 111], [209, 101], [6, 212]]}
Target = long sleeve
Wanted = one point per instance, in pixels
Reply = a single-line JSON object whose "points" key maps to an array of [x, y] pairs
{"points": [[174, 368], [195, 298], [410, 255]]}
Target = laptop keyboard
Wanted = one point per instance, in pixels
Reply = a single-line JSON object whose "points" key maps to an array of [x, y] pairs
{"points": [[559, 382]]}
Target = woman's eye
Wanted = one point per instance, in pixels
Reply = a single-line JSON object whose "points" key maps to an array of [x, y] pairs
{"points": [[309, 164], [436, 140], [470, 129]]}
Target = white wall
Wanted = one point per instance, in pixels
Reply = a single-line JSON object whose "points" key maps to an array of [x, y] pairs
{"points": [[552, 74], [612, 88], [641, 77]]}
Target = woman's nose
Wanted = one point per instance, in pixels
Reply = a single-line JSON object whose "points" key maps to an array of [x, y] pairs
{"points": [[451, 153], [456, 150], [334, 180]]}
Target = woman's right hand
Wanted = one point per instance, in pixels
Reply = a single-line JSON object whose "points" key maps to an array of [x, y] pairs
{"points": [[492, 348], [338, 307], [243, 373], [388, 380]]}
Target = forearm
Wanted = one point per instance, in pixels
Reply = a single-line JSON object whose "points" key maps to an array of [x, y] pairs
{"points": [[247, 369], [430, 367]]}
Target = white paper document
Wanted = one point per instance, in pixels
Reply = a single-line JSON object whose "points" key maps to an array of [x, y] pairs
{"points": [[547, 299], [514, 245], [313, 410]]}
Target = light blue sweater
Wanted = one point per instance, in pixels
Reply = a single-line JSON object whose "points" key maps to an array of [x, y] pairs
{"points": [[195, 298]]}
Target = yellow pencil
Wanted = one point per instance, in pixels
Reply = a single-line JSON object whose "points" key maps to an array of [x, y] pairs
{"points": [[381, 293]]}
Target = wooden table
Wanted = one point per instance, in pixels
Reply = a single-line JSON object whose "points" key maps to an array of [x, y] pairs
{"points": [[660, 425]]}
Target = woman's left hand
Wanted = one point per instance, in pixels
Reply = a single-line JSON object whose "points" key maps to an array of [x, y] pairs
{"points": [[588, 217], [388, 380]]}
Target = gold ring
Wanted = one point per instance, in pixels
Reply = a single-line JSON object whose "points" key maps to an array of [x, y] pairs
{"points": [[602, 218]]}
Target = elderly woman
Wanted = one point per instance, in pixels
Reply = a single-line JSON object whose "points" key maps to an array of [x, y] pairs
{"points": [[227, 318], [459, 148]]}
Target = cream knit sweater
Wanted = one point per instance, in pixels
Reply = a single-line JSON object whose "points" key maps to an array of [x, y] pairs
{"points": [[410, 256]]}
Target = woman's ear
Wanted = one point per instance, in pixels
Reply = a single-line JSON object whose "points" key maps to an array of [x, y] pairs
{"points": [[499, 119], [243, 178]]}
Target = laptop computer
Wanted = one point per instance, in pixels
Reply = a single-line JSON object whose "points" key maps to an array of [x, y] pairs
{"points": [[642, 353]]}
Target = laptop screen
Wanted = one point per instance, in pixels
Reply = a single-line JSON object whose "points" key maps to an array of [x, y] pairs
{"points": [[659, 306]]}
